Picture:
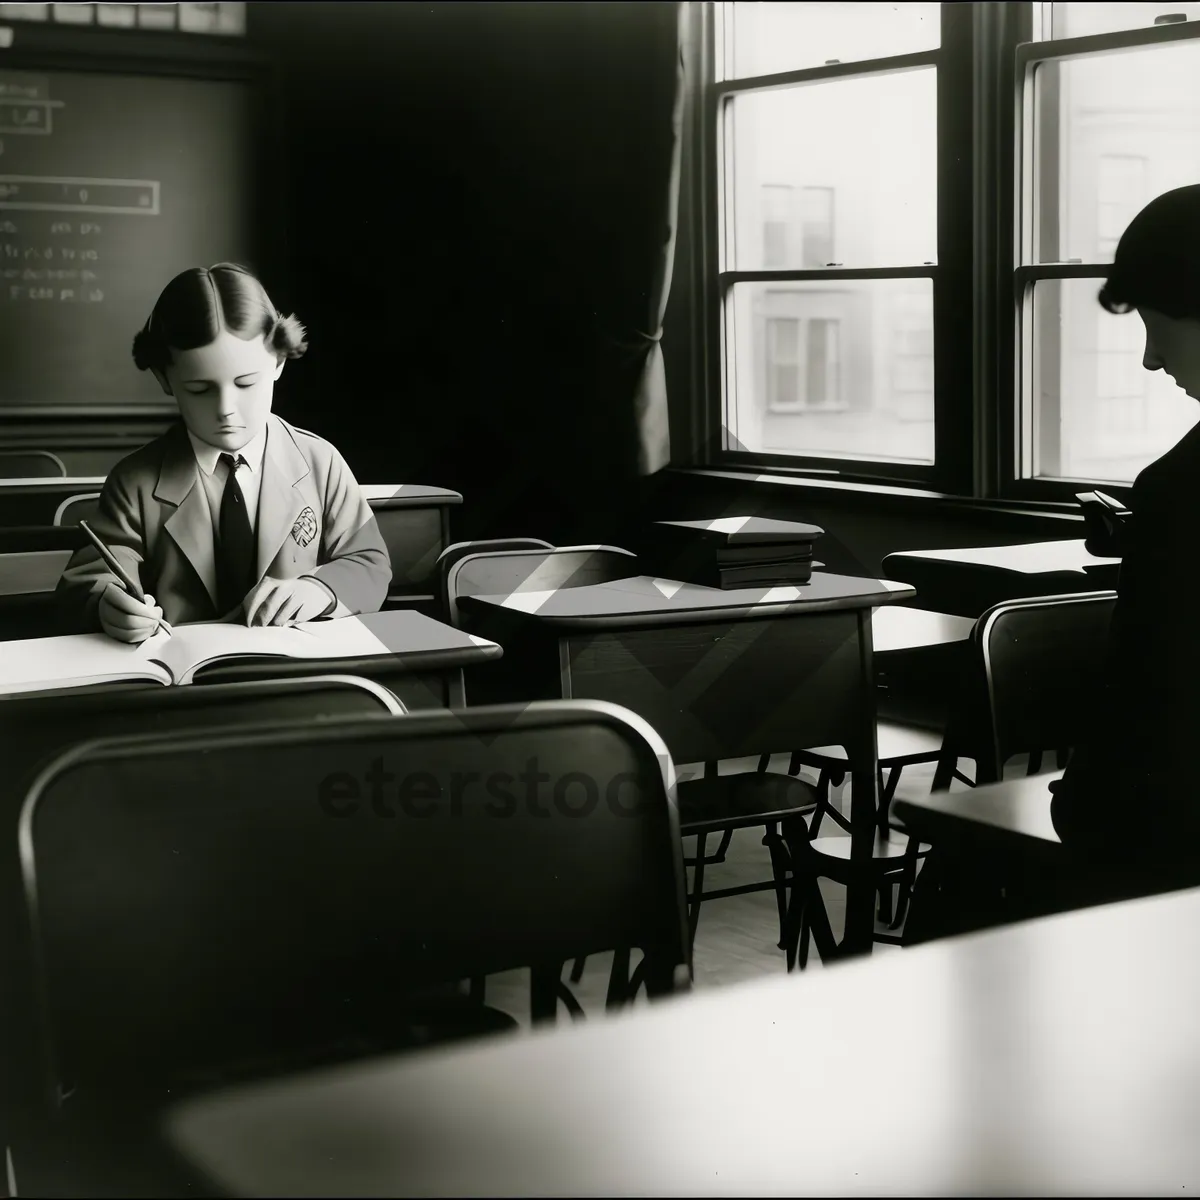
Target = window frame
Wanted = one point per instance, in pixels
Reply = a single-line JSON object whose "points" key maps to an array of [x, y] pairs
{"points": [[951, 470], [1017, 425]]}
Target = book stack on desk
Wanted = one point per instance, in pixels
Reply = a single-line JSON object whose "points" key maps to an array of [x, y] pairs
{"points": [[733, 552]]}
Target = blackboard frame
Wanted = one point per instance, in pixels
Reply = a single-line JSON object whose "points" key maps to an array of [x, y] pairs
{"points": [[102, 50]]}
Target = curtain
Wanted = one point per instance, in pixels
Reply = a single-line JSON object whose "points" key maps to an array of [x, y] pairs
{"points": [[650, 396]]}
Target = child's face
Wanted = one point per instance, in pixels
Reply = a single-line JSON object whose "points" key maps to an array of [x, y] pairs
{"points": [[223, 389], [1173, 346]]}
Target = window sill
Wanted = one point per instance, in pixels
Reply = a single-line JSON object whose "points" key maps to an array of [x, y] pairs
{"points": [[902, 496]]}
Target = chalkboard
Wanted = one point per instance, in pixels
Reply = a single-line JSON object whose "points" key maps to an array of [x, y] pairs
{"points": [[109, 186]]}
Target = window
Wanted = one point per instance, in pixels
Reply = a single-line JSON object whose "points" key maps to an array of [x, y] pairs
{"points": [[803, 364], [826, 229], [816, 228], [1106, 127], [777, 200]]}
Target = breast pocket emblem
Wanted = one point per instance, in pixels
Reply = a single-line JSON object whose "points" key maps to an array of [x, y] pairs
{"points": [[305, 528]]}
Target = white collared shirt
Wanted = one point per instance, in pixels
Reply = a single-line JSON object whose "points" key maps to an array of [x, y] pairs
{"points": [[213, 474]]}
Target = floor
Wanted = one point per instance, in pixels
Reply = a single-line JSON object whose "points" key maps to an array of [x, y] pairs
{"points": [[737, 937]]}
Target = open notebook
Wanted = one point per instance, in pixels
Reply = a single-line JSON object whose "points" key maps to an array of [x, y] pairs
{"points": [[89, 658]]}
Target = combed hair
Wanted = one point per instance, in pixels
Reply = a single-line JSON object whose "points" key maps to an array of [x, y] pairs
{"points": [[1157, 263], [200, 303]]}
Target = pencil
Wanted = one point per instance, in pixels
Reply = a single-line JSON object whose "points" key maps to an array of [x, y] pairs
{"points": [[128, 582]]}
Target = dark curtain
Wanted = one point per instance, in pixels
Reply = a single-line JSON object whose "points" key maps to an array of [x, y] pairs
{"points": [[480, 202]]}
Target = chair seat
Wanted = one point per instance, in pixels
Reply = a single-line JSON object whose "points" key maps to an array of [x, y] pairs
{"points": [[887, 852], [744, 799], [895, 741]]}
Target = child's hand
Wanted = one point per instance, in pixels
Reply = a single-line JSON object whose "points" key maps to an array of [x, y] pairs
{"points": [[126, 619], [286, 602]]}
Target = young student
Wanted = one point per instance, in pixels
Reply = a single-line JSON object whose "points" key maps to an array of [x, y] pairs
{"points": [[1127, 808], [233, 514]]}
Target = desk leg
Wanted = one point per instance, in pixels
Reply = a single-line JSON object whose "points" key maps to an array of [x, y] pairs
{"points": [[864, 804]]}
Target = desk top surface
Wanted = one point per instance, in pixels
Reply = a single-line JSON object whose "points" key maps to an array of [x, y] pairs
{"points": [[644, 599], [404, 495], [1020, 806], [1030, 558], [32, 572], [1059, 1056], [69, 483]]}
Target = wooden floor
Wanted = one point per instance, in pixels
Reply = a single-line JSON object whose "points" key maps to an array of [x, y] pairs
{"points": [[737, 937]]}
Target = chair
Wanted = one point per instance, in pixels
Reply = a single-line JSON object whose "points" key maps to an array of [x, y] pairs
{"points": [[74, 509], [193, 927], [460, 550], [36, 726], [31, 464], [715, 804], [1036, 664], [1032, 665]]}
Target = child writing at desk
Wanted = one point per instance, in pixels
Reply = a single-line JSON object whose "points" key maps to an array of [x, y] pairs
{"points": [[233, 514]]}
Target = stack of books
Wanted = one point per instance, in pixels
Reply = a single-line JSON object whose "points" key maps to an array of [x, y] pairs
{"points": [[732, 552]]}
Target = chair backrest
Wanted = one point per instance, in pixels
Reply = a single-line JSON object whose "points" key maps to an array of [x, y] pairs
{"points": [[207, 898], [1039, 666], [74, 509], [31, 464], [511, 571], [36, 727], [460, 550]]}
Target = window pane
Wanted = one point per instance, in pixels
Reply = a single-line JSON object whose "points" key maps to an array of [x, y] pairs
{"points": [[1116, 131], [763, 38], [1096, 413], [833, 368], [859, 157], [1079, 20]]}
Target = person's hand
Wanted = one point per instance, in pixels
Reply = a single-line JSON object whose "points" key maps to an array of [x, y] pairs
{"points": [[126, 619], [286, 601]]}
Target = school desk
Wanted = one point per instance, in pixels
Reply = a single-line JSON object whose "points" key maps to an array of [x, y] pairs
{"points": [[1053, 1057], [414, 520], [969, 580], [1016, 808], [35, 501], [27, 582], [719, 673], [421, 661]]}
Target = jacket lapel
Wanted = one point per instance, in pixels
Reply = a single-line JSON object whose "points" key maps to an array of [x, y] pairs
{"points": [[279, 501], [191, 523]]}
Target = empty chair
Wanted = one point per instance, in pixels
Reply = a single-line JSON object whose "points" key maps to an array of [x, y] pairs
{"points": [[460, 550], [498, 572], [36, 726], [1036, 666], [1033, 665], [225, 904], [74, 509], [31, 464]]}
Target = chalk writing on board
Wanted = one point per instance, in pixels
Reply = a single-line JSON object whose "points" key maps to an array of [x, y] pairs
{"points": [[28, 116], [46, 193]]}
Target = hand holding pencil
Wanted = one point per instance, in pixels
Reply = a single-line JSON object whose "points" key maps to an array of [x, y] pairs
{"points": [[126, 612]]}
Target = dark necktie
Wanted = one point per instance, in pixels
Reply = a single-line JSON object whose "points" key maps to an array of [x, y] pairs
{"points": [[236, 551]]}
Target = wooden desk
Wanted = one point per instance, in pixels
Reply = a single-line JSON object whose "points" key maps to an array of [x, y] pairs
{"points": [[423, 663], [415, 523], [898, 628], [719, 674], [35, 501], [968, 581], [1056, 1057], [1017, 809], [27, 582]]}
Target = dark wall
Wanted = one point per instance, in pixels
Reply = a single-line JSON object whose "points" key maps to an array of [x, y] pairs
{"points": [[474, 196]]}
